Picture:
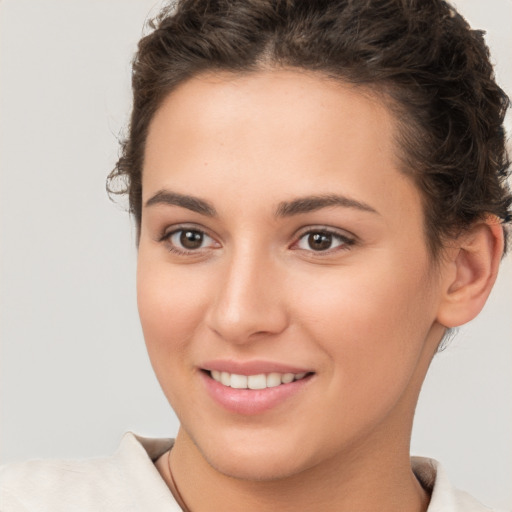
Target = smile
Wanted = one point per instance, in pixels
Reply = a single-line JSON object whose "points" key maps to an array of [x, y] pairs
{"points": [[259, 381], [255, 392]]}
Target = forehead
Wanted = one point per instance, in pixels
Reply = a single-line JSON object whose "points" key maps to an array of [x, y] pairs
{"points": [[295, 105], [276, 133]]}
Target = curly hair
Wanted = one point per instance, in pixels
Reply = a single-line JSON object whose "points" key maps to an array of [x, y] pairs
{"points": [[433, 70]]}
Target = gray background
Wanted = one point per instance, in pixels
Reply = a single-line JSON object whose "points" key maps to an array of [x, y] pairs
{"points": [[74, 372]]}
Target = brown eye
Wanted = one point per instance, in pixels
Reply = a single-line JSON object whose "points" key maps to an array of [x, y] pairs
{"points": [[323, 241], [191, 239], [188, 240], [320, 241]]}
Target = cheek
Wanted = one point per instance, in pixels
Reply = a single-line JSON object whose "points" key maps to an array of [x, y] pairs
{"points": [[171, 307], [371, 324]]}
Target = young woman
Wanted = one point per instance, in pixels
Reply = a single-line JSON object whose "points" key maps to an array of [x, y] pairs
{"points": [[319, 191]]}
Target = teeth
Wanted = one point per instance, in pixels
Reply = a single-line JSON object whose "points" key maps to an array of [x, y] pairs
{"points": [[238, 381], [287, 378], [256, 381], [260, 381], [273, 380], [225, 378]]}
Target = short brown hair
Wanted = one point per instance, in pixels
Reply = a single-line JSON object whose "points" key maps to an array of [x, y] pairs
{"points": [[422, 55]]}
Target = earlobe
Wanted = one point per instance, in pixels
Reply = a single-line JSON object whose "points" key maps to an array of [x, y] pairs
{"points": [[470, 274]]}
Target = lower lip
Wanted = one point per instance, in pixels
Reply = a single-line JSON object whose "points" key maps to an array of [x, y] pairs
{"points": [[250, 402]]}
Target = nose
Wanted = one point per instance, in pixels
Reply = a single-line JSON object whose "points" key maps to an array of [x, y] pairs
{"points": [[249, 303]]}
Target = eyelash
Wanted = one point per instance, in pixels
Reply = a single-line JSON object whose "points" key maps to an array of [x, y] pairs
{"points": [[345, 242], [167, 236]]}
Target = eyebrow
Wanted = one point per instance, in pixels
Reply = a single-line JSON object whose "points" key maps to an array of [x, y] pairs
{"points": [[189, 202], [284, 209], [312, 203]]}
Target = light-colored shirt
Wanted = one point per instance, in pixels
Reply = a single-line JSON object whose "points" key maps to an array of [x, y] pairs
{"points": [[128, 481]]}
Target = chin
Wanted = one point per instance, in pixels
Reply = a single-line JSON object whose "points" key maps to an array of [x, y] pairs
{"points": [[254, 468], [254, 457]]}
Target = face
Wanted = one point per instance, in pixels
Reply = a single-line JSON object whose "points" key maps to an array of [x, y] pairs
{"points": [[282, 253]]}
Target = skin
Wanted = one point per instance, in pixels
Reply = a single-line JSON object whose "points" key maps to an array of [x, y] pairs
{"points": [[365, 316]]}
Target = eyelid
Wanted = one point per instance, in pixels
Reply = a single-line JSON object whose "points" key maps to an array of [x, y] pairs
{"points": [[348, 239], [169, 231]]}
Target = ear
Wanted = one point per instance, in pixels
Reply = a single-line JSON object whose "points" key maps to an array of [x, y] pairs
{"points": [[471, 269]]}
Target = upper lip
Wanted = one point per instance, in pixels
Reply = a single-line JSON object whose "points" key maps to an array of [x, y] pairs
{"points": [[254, 367]]}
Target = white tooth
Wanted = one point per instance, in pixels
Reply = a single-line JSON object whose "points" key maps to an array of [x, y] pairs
{"points": [[225, 378], [273, 380], [257, 381], [299, 376], [286, 378], [215, 375], [238, 381]]}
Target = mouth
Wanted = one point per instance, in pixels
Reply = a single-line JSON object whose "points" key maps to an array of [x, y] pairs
{"points": [[257, 381], [249, 393]]}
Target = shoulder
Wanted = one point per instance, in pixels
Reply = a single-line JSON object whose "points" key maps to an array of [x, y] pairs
{"points": [[125, 481], [53, 485], [444, 496]]}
